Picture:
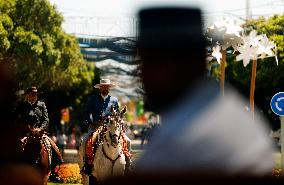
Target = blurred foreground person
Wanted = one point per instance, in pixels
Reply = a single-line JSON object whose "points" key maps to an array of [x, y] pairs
{"points": [[13, 171], [202, 131]]}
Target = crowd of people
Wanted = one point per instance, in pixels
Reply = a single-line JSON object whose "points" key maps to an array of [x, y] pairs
{"points": [[65, 140]]}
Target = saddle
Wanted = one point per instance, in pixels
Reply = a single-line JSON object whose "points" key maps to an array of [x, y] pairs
{"points": [[54, 156], [91, 146]]}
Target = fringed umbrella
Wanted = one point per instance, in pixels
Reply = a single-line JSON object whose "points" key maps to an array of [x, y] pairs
{"points": [[253, 47], [223, 34]]}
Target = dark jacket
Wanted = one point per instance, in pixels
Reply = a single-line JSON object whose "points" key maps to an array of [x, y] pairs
{"points": [[97, 107], [34, 115]]}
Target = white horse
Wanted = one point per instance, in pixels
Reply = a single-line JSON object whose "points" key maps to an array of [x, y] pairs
{"points": [[109, 159]]}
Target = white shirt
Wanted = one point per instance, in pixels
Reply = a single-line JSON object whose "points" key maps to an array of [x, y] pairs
{"points": [[218, 136]]}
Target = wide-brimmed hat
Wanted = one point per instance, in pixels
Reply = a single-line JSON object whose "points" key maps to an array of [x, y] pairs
{"points": [[31, 90], [105, 82]]}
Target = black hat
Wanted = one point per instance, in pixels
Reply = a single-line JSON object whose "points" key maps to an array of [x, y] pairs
{"points": [[31, 90], [170, 27]]}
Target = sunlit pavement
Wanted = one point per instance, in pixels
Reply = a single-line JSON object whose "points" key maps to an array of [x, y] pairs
{"points": [[277, 159], [136, 149]]}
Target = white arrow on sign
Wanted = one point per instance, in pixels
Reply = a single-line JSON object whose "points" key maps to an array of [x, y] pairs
{"points": [[276, 104]]}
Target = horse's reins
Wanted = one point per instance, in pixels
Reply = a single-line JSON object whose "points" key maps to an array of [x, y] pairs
{"points": [[111, 160]]}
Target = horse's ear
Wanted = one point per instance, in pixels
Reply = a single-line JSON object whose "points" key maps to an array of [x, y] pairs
{"points": [[123, 111]]}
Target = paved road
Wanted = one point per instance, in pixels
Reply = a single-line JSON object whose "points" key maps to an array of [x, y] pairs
{"points": [[136, 149]]}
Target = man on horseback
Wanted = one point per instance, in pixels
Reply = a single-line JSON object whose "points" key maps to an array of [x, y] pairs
{"points": [[95, 113], [32, 113]]}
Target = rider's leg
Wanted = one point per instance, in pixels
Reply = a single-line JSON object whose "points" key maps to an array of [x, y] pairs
{"points": [[90, 149], [87, 168], [127, 156]]}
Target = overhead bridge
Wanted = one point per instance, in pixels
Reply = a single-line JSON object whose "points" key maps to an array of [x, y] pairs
{"points": [[120, 49]]}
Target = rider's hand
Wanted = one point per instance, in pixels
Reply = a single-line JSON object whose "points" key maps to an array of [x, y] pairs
{"points": [[36, 129]]}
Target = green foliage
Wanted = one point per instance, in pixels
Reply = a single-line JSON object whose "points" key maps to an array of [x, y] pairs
{"points": [[6, 26], [43, 55]]}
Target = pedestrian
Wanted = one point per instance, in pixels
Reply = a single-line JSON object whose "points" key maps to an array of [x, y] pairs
{"points": [[72, 139], [62, 141], [144, 134], [97, 109], [201, 131], [53, 137]]}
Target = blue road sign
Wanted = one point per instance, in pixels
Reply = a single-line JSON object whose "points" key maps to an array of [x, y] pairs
{"points": [[277, 103]]}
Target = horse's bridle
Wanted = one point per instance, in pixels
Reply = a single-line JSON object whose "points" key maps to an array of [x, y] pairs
{"points": [[111, 138], [110, 159]]}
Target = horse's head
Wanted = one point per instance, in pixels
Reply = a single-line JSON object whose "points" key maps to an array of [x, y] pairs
{"points": [[115, 126]]}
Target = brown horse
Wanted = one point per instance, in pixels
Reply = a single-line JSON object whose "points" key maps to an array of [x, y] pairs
{"points": [[35, 152]]}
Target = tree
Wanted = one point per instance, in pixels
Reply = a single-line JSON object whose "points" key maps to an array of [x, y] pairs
{"points": [[42, 54]]}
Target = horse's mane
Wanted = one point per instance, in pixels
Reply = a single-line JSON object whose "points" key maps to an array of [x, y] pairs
{"points": [[101, 132]]}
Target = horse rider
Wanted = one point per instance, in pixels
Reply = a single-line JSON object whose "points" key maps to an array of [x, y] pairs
{"points": [[32, 113], [96, 110]]}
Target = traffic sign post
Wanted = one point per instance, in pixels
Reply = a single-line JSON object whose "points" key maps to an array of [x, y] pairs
{"points": [[277, 106]]}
